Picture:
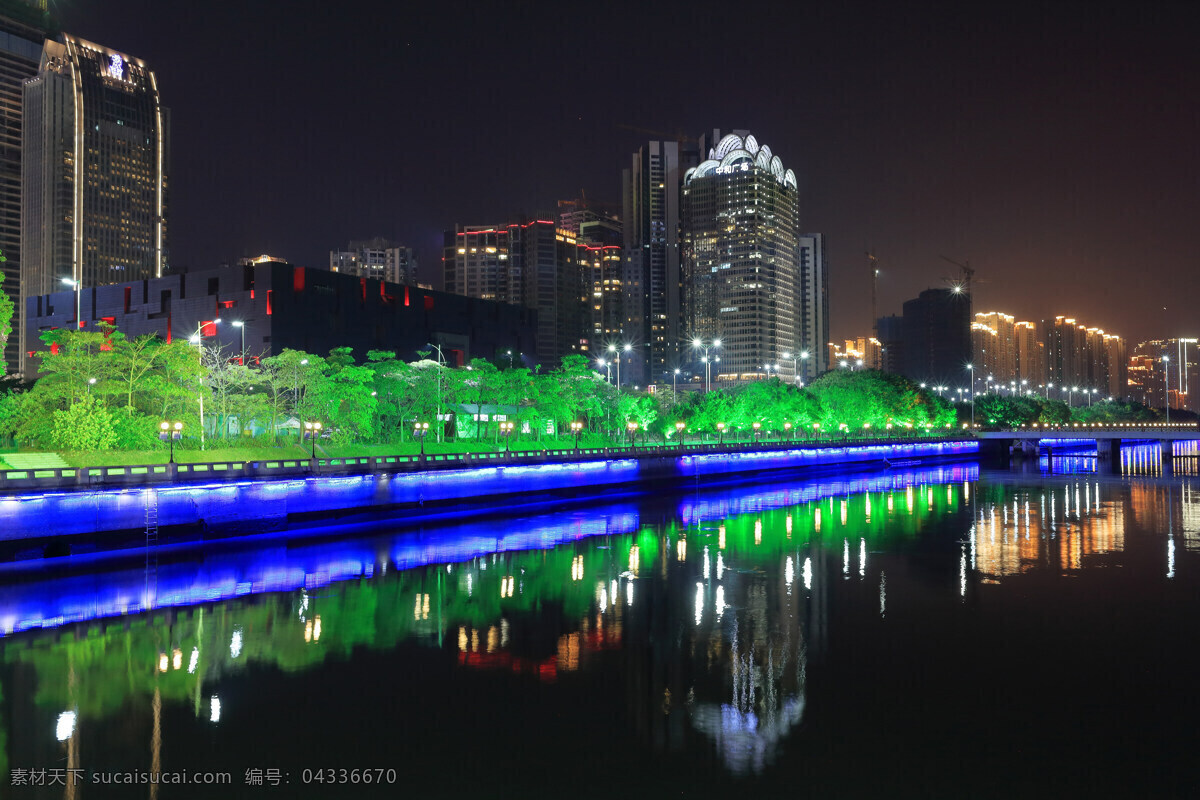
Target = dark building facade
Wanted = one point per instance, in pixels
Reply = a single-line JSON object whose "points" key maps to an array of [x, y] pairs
{"points": [[22, 32], [937, 337], [282, 307]]}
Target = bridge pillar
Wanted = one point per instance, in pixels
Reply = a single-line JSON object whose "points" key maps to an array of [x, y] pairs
{"points": [[1108, 452], [994, 452], [1165, 456]]}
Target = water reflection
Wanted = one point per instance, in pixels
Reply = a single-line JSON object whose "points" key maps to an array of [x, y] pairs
{"points": [[714, 607]]}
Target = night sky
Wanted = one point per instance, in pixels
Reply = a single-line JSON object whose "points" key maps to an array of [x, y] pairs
{"points": [[1056, 148]]}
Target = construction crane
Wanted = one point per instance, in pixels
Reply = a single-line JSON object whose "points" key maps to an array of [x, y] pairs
{"points": [[968, 272], [874, 265]]}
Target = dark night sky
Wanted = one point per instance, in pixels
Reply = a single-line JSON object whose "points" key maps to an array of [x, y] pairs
{"points": [[1057, 148]]}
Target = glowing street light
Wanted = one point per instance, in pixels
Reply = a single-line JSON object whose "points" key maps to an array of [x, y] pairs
{"points": [[576, 429], [720, 432], [699, 344], [198, 339], [1167, 385], [420, 431], [312, 430], [679, 426], [626, 349], [506, 430], [607, 365], [170, 432], [78, 287], [971, 370], [632, 428], [674, 378]]}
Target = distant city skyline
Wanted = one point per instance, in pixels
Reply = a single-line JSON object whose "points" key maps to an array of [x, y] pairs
{"points": [[1056, 157]]}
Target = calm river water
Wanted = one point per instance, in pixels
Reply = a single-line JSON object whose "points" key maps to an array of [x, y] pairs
{"points": [[938, 633]]}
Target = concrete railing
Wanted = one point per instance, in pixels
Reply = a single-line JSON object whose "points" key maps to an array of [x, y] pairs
{"points": [[64, 478]]}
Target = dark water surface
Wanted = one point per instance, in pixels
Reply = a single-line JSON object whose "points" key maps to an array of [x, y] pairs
{"points": [[940, 633]]}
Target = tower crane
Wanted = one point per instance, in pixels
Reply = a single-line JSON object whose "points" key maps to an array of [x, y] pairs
{"points": [[968, 272]]}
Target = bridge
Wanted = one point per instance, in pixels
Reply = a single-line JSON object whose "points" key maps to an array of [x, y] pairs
{"points": [[1108, 438]]}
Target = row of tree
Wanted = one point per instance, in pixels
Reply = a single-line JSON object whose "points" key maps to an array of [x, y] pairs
{"points": [[101, 390]]}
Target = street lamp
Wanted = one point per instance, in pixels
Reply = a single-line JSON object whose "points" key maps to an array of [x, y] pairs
{"points": [[632, 428], [312, 430], [679, 426], [1167, 385], [699, 344], [674, 378], [241, 325], [971, 370], [506, 430], [510, 362], [170, 432], [787, 430], [607, 365], [612, 348], [576, 428], [420, 431], [757, 427], [78, 287], [199, 340], [720, 432]]}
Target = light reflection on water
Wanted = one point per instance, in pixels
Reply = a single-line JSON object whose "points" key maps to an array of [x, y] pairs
{"points": [[724, 599]]}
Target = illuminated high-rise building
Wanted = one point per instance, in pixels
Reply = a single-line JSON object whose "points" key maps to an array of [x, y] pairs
{"points": [[742, 273], [1031, 356], [96, 155], [994, 346], [1164, 371], [650, 214], [534, 264], [22, 32], [1085, 360], [376, 258]]}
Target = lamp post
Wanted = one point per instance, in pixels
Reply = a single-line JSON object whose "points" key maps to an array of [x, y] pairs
{"points": [[679, 426], [312, 430], [804, 360], [506, 429], [971, 371], [199, 340], [510, 362], [612, 348], [607, 365], [720, 433], [1167, 385], [78, 287], [674, 378], [420, 431], [757, 429], [787, 431], [632, 428], [240, 324], [170, 432], [576, 429], [441, 363], [698, 344]]}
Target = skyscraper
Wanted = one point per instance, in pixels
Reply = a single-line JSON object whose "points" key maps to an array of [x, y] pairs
{"points": [[937, 339], [376, 258], [22, 31], [533, 264], [94, 174], [650, 213], [740, 259]]}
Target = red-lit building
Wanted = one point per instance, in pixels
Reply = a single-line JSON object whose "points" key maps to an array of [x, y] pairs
{"points": [[281, 306]]}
